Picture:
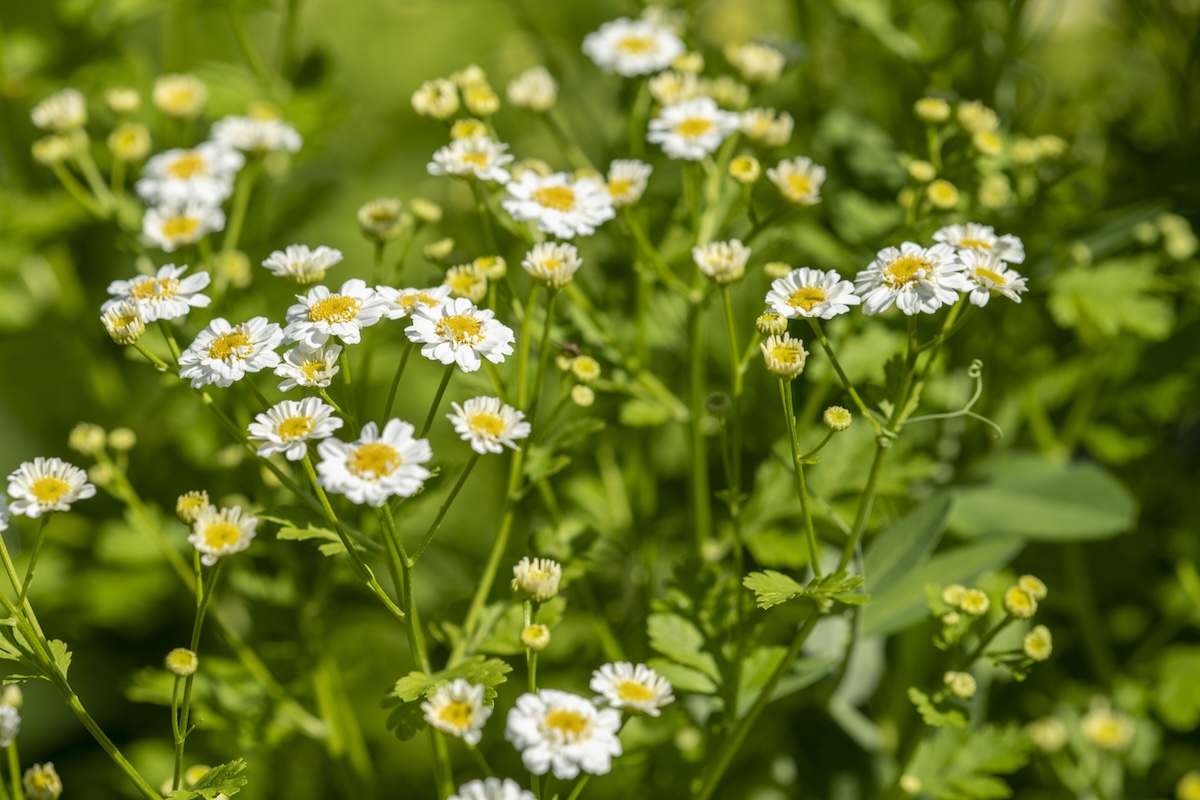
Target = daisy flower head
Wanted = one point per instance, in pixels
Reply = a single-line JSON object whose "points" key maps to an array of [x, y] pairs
{"points": [[466, 280], [915, 278], [254, 134], [983, 239], [46, 484], [552, 263], [478, 157], [488, 425], [1106, 728], [204, 173], [627, 179], [767, 126], [124, 322], [321, 314], [381, 219], [61, 112], [436, 99], [534, 89], [163, 295], [180, 95], [784, 356], [456, 332], [172, 226], [457, 708], [287, 427], [638, 688], [564, 733], [310, 367], [41, 782], [809, 292], [671, 87], [799, 179], [376, 466], [561, 205], [129, 141], [223, 353], [633, 47], [219, 532], [723, 262], [492, 789], [988, 275], [692, 129], [536, 579], [399, 303], [301, 265], [758, 63]]}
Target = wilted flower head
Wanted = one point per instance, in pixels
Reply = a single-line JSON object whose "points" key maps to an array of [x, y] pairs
{"points": [[723, 262], [41, 782], [124, 322], [189, 505]]}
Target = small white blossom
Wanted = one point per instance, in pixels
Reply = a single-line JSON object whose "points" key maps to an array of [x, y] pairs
{"points": [[799, 180], [692, 129], [758, 63], [536, 579], [301, 265], [809, 292], [170, 227], [627, 179], [633, 47], [559, 204], [61, 112], [982, 238], [624, 685], [10, 723], [988, 275], [552, 263], [534, 89], [288, 426], [488, 425], [310, 367], [563, 732], [203, 174], [476, 157], [458, 332], [437, 99], [219, 532], [723, 262], [376, 466], [492, 789], [255, 135], [916, 279], [457, 708], [399, 303], [767, 126], [46, 484], [321, 314], [223, 353], [181, 96], [161, 296]]}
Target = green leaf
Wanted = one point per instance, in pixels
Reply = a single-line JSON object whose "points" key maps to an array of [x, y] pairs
{"points": [[1111, 298], [682, 642], [935, 717], [1028, 496], [683, 679], [964, 764], [224, 779], [904, 604], [412, 687], [331, 542], [406, 719], [772, 588], [642, 413], [505, 636], [1177, 691], [907, 544]]}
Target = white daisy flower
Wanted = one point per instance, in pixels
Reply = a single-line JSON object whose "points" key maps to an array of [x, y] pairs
{"points": [[983, 238], [377, 465], [204, 174], [255, 135], [563, 732], [399, 303], [492, 789], [561, 205], [61, 112], [321, 314], [536, 579], [552, 263], [916, 279], [627, 179], [767, 126], [988, 275], [632, 47], [287, 427], [224, 353], [784, 356], [219, 532], [534, 89], [160, 296], [310, 367], [457, 709], [476, 157], [46, 484], [638, 688], [180, 95], [458, 332], [124, 322], [799, 179], [301, 265], [170, 227], [808, 292], [723, 262], [488, 425], [466, 280], [692, 129]]}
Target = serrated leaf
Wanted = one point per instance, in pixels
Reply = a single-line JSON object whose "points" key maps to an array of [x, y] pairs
{"points": [[935, 717], [1111, 298], [681, 641], [772, 588], [226, 779], [331, 542], [964, 764], [412, 687], [406, 720]]}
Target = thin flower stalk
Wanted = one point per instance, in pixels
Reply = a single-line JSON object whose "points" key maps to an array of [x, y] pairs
{"points": [[785, 393]]}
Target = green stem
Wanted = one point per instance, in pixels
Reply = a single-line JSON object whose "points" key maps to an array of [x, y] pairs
{"points": [[73, 702], [241, 195], [91, 173], [525, 344], [391, 397], [118, 176], [985, 641], [785, 394], [158, 363], [489, 231], [437, 399], [169, 338], [735, 366], [701, 512], [14, 771], [348, 385], [38, 538], [574, 795], [539, 377], [651, 254], [576, 156], [203, 597], [76, 190], [864, 509], [437, 521], [819, 332]]}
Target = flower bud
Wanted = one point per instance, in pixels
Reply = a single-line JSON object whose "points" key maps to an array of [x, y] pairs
{"points": [[1038, 643], [718, 404], [932, 109], [51, 150], [122, 100], [1019, 603], [180, 96], [10, 724], [468, 129], [439, 250], [536, 637], [960, 684], [582, 396], [124, 323], [988, 143], [86, 438], [784, 356], [745, 169], [41, 782], [1034, 586], [129, 141], [1047, 734], [770, 323], [121, 439], [493, 268], [481, 99], [534, 89], [190, 504], [380, 219], [585, 368], [12, 695], [436, 99], [688, 63], [837, 418], [943, 194], [921, 171], [975, 603], [426, 211], [182, 662], [776, 270]]}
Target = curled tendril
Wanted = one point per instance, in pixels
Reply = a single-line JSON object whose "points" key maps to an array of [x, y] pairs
{"points": [[975, 372]]}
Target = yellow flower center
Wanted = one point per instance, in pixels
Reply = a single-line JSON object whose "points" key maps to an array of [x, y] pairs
{"points": [[458, 714], [49, 490], [478, 159], [785, 353], [374, 460], [154, 288], [905, 270], [559, 198], [633, 692], [460, 328], [486, 424], [180, 227], [464, 282], [974, 244], [693, 127], [571, 723], [407, 301], [295, 427], [229, 345], [312, 368], [807, 297], [221, 534], [188, 165], [636, 45], [994, 277], [180, 99], [335, 309], [798, 184], [620, 187]]}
